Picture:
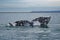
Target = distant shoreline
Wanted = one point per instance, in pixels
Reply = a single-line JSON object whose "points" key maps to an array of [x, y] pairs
{"points": [[45, 12], [35, 12]]}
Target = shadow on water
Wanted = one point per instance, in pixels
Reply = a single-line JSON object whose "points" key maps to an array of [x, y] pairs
{"points": [[23, 27], [44, 26]]}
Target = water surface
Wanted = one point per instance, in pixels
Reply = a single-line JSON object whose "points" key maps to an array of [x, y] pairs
{"points": [[29, 33]]}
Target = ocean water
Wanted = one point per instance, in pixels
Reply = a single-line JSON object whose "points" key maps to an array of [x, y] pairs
{"points": [[27, 32]]}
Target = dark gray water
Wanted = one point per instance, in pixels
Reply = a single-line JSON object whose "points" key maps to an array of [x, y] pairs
{"points": [[29, 33]]}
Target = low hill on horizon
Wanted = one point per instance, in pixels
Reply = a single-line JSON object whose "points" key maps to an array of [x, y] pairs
{"points": [[45, 12]]}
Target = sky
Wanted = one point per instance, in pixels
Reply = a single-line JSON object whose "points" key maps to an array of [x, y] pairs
{"points": [[28, 5]]}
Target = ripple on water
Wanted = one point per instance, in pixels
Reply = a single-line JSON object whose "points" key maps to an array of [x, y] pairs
{"points": [[29, 33]]}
